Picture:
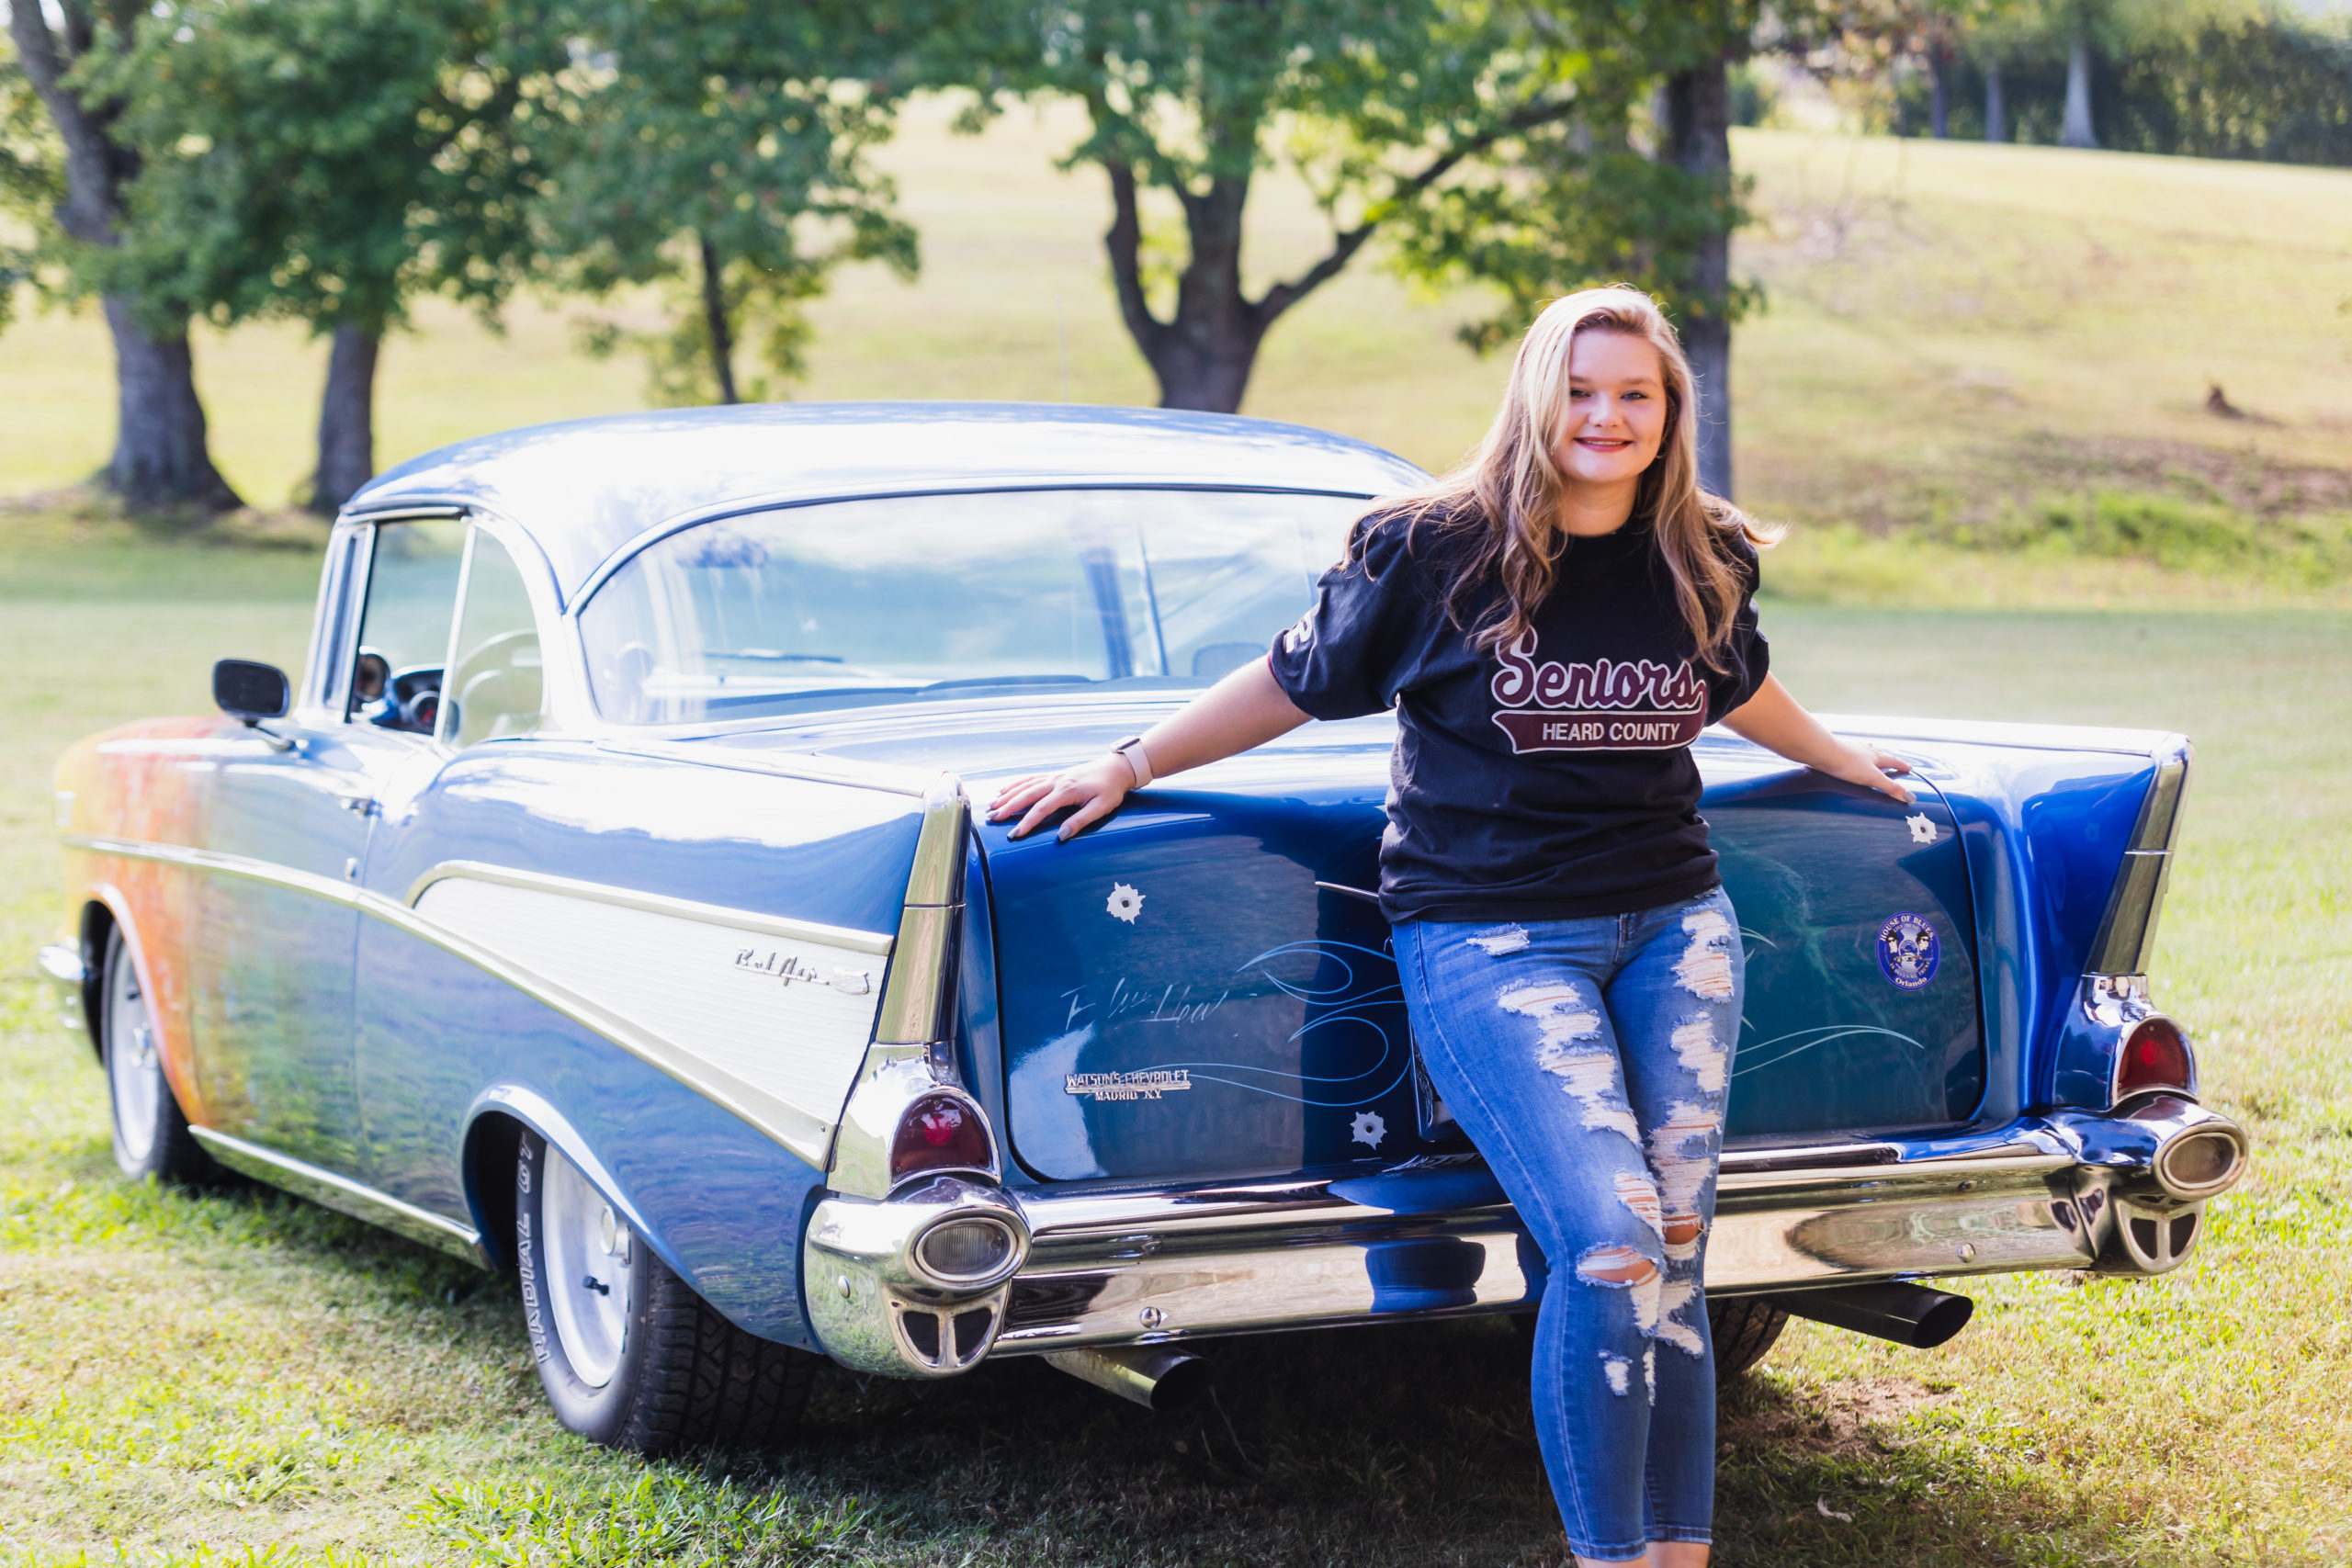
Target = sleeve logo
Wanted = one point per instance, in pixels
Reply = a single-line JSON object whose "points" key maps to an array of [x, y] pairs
{"points": [[1636, 706]]}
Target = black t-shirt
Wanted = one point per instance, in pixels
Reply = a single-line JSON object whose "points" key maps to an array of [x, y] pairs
{"points": [[1552, 778]]}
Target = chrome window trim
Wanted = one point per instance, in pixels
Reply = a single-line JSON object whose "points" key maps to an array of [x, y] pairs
{"points": [[875, 942], [342, 1193], [807, 1136], [787, 501]]}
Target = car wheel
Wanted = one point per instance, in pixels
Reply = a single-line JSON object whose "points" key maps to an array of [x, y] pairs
{"points": [[629, 1356], [151, 1135], [1743, 1327]]}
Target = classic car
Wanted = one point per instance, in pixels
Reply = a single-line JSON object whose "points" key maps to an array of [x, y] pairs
{"points": [[611, 901]]}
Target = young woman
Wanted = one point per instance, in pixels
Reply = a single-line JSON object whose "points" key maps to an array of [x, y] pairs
{"points": [[1554, 622]]}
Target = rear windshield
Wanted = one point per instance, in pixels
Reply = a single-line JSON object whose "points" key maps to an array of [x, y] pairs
{"points": [[946, 595]]}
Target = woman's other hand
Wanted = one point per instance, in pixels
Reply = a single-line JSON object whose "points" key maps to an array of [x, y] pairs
{"points": [[1094, 788]]}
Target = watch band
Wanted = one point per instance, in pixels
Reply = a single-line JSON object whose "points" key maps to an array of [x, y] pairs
{"points": [[1137, 760]]}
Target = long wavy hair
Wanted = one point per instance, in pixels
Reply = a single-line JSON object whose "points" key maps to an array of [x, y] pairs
{"points": [[1503, 500]]}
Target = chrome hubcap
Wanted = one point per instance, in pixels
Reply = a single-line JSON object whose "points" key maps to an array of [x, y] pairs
{"points": [[592, 1271], [133, 1073]]}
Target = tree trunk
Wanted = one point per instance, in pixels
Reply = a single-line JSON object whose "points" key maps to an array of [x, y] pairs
{"points": [[714, 313], [1697, 113], [2075, 131], [1202, 356], [346, 420], [1997, 109], [1940, 93], [159, 451]]}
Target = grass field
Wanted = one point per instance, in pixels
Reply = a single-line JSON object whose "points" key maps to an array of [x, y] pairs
{"points": [[1963, 345]]}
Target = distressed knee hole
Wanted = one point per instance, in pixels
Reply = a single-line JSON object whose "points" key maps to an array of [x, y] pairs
{"points": [[1683, 1233], [1616, 1266], [1704, 968]]}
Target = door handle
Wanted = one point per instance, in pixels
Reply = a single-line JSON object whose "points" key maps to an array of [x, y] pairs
{"points": [[363, 804]]}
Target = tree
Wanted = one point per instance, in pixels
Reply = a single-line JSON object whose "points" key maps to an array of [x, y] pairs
{"points": [[718, 149], [332, 159], [1375, 102], [161, 457]]}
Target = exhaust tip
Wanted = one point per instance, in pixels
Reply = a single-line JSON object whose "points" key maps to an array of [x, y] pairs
{"points": [[2201, 1162], [1908, 1314], [1163, 1382]]}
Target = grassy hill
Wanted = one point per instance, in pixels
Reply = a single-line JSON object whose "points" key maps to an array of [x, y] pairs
{"points": [[1962, 344]]}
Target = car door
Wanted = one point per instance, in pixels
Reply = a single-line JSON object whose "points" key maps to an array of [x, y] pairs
{"points": [[490, 688], [289, 813]]}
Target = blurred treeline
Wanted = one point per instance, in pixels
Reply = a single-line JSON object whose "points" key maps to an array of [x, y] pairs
{"points": [[2209, 81], [331, 162]]}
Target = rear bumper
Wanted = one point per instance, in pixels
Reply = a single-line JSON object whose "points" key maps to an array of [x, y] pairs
{"points": [[1126, 1265]]}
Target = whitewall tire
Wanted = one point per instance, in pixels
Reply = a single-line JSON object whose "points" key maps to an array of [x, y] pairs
{"points": [[151, 1135], [629, 1356]]}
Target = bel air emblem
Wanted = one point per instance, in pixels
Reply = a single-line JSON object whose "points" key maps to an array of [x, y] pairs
{"points": [[789, 969], [1149, 1083]]}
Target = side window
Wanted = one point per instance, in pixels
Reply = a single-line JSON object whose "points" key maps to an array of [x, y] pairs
{"points": [[493, 685], [412, 572]]}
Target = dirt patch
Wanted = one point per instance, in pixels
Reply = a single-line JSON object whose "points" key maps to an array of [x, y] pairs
{"points": [[1842, 1420]]}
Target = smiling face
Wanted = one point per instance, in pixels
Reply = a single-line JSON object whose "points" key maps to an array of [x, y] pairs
{"points": [[1616, 410]]}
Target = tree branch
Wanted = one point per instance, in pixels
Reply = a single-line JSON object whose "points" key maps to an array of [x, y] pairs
{"points": [[1281, 296], [1125, 242]]}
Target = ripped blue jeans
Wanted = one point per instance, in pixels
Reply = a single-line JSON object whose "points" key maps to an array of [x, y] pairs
{"points": [[1589, 1061]]}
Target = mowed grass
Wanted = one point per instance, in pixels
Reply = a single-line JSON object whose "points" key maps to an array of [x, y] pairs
{"points": [[240, 1377]]}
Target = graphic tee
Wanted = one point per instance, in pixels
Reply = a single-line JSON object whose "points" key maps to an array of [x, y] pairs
{"points": [[1551, 779]]}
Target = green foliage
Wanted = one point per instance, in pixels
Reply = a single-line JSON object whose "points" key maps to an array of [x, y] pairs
{"points": [[32, 179], [1575, 202], [721, 150], [324, 159]]}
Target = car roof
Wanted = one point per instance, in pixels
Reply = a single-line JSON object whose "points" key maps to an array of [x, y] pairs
{"points": [[585, 488]]}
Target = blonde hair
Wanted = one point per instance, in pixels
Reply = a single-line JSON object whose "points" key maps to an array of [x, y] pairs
{"points": [[1508, 491]]}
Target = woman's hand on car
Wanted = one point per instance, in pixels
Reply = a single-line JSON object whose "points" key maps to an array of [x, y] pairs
{"points": [[1868, 765], [1094, 788]]}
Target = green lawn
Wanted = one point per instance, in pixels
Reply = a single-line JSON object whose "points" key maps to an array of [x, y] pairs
{"points": [[218, 1379]]}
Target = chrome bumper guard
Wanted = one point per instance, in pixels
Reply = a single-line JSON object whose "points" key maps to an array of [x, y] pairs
{"points": [[2119, 1191]]}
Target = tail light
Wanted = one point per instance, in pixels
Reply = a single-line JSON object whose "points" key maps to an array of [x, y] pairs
{"points": [[940, 1132], [2155, 1056]]}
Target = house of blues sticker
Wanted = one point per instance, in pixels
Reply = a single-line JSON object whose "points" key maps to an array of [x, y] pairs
{"points": [[1909, 951]]}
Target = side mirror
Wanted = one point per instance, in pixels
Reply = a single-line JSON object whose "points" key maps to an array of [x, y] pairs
{"points": [[249, 691]]}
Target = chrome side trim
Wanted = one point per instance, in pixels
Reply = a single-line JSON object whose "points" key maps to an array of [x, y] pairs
{"points": [[344, 1195], [806, 1135], [652, 904], [2127, 934]]}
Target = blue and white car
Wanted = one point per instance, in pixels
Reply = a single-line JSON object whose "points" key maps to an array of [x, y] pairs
{"points": [[606, 902]]}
